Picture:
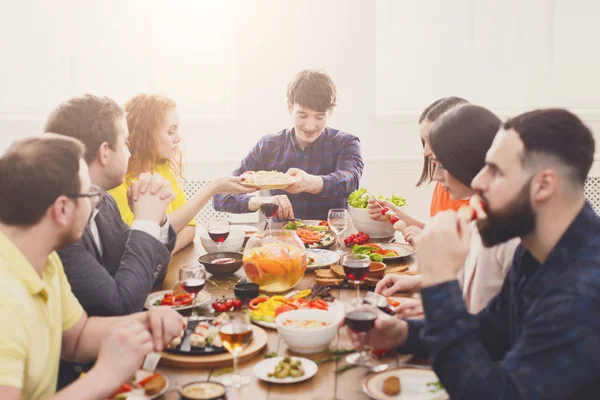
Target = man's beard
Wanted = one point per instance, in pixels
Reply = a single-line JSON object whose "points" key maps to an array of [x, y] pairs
{"points": [[517, 220], [68, 238]]}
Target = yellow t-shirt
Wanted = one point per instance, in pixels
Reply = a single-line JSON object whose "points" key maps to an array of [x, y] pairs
{"points": [[35, 312], [120, 195]]}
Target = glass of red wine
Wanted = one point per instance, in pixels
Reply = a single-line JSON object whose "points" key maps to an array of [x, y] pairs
{"points": [[270, 208], [192, 281], [360, 318], [356, 267], [218, 232]]}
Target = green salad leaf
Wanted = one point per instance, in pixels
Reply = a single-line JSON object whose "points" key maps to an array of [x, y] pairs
{"points": [[368, 250], [360, 199]]}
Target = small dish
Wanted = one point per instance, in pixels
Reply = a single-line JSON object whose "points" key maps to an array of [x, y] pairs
{"points": [[415, 384], [376, 270], [321, 258], [263, 368], [221, 270], [204, 390], [246, 291]]}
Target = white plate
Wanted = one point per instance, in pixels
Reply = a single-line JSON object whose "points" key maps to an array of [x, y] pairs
{"points": [[336, 306], [413, 384], [265, 366], [202, 299], [322, 257], [141, 375], [404, 250]]}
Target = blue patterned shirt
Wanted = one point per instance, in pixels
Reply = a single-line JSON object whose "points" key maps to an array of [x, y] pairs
{"points": [[539, 338], [334, 156]]}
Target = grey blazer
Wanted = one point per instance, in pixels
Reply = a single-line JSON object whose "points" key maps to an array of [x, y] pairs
{"points": [[118, 282]]}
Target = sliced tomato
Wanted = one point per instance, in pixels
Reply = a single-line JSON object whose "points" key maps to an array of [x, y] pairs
{"points": [[125, 388], [255, 302], [319, 304], [393, 302], [282, 309], [182, 296], [167, 301]]}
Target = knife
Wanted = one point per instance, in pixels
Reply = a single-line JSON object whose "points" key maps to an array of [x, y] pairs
{"points": [[186, 346]]}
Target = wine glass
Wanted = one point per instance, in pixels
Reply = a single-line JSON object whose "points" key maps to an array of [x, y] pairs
{"points": [[356, 267], [192, 278], [338, 221], [235, 335], [270, 208], [361, 318], [218, 232]]}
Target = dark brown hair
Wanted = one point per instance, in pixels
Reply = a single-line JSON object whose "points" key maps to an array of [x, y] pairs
{"points": [[461, 138], [559, 133], [34, 173], [312, 89], [89, 118], [432, 113]]}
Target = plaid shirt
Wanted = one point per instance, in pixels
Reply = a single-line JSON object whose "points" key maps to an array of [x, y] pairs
{"points": [[539, 338], [334, 156]]}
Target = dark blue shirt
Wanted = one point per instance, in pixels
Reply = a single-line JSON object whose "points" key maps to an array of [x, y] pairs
{"points": [[335, 156], [539, 338]]}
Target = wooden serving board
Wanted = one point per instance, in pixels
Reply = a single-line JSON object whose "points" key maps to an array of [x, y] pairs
{"points": [[258, 343]]}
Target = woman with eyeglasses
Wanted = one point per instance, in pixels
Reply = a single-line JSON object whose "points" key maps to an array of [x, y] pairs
{"points": [[154, 139]]}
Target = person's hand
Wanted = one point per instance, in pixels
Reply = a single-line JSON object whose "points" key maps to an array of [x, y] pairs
{"points": [[286, 211], [150, 197], [308, 183], [229, 184], [389, 332], [375, 206], [122, 352], [412, 235], [394, 283], [409, 308], [443, 248], [164, 324]]}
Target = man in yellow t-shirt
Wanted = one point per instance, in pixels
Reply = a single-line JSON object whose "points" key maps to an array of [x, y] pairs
{"points": [[47, 203]]}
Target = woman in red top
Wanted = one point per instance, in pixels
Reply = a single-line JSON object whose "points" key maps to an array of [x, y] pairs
{"points": [[441, 199]]}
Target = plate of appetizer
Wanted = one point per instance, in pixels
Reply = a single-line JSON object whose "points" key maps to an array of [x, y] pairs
{"points": [[319, 258], [285, 369], [384, 251], [315, 234], [268, 179], [199, 337], [405, 383], [177, 299], [143, 386], [264, 309]]}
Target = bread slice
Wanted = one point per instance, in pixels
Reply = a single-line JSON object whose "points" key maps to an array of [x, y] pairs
{"points": [[325, 274], [338, 271], [397, 269], [330, 281]]}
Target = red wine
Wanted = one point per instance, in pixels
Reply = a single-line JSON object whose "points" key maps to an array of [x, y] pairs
{"points": [[218, 235], [361, 320], [269, 209], [356, 270], [193, 285]]}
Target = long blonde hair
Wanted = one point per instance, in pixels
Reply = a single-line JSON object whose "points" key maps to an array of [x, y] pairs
{"points": [[145, 114]]}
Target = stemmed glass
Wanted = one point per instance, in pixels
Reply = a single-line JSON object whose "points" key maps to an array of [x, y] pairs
{"points": [[338, 219], [218, 232], [235, 335], [356, 267], [360, 318], [270, 208], [192, 278]]}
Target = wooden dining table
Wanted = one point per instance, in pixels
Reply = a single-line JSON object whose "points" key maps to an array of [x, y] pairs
{"points": [[325, 385]]}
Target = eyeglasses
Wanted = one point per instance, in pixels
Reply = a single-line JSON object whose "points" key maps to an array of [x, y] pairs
{"points": [[94, 194]]}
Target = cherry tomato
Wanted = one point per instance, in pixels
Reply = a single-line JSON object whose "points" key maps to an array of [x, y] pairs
{"points": [[384, 210], [394, 219], [237, 303]]}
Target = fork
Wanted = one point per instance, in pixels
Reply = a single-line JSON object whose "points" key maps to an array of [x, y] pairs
{"points": [[151, 361]]}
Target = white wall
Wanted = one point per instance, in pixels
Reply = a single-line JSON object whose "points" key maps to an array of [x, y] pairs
{"points": [[227, 63]]}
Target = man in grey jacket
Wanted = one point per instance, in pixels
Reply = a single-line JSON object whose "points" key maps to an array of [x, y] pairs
{"points": [[113, 267]]}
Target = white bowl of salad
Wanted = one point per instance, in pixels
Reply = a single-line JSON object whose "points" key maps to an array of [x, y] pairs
{"points": [[358, 202]]}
